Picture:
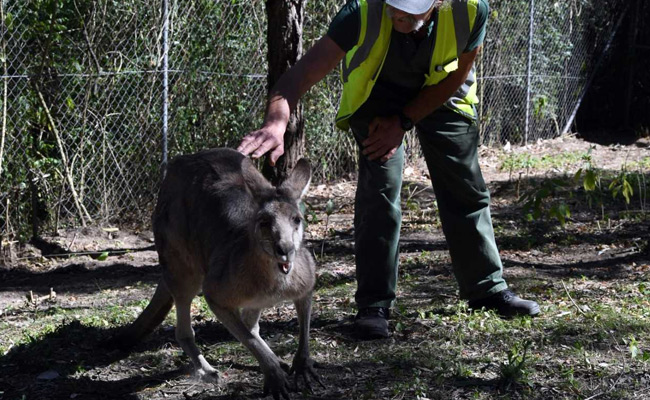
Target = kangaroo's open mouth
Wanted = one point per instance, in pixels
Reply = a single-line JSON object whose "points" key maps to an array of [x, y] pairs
{"points": [[284, 267]]}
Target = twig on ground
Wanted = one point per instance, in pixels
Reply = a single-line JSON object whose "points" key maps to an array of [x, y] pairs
{"points": [[572, 301]]}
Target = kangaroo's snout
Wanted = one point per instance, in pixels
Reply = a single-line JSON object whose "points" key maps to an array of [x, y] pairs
{"points": [[285, 252]]}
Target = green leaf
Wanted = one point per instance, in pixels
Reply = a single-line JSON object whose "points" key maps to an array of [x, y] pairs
{"points": [[9, 20], [103, 256], [627, 191], [590, 180], [329, 207], [564, 210]]}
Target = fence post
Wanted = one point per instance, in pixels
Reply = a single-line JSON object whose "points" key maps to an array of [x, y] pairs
{"points": [[531, 27], [165, 84], [632, 35]]}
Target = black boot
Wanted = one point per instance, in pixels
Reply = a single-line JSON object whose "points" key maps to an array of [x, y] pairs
{"points": [[371, 323], [506, 304]]}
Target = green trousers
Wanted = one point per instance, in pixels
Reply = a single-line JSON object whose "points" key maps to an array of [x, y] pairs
{"points": [[449, 143]]}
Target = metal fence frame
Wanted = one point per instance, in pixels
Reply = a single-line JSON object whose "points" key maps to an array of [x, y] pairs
{"points": [[157, 119]]}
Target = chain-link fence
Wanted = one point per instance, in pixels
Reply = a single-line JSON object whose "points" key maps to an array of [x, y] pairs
{"points": [[83, 84]]}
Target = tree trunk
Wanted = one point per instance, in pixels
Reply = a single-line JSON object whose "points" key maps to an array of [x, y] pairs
{"points": [[284, 40]]}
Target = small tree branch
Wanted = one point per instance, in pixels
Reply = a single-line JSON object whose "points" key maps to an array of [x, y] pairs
{"points": [[83, 213]]}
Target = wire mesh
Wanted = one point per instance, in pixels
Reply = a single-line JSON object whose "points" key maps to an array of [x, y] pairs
{"points": [[82, 94], [82, 113]]}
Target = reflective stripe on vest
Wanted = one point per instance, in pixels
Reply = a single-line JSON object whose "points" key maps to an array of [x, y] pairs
{"points": [[362, 64]]}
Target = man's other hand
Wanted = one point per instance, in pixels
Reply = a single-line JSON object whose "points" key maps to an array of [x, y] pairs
{"points": [[385, 135], [259, 142]]}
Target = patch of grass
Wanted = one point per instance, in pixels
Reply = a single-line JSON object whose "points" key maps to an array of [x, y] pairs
{"points": [[410, 383], [641, 165], [515, 372], [526, 162]]}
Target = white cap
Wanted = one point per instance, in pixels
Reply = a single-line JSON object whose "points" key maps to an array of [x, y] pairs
{"points": [[412, 6]]}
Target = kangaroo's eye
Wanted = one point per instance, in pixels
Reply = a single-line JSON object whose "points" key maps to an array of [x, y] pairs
{"points": [[297, 220]]}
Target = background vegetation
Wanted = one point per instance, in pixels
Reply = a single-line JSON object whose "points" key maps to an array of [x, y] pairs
{"points": [[82, 94]]}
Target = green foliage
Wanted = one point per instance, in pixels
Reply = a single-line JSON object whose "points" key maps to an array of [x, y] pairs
{"points": [[621, 184], [637, 353], [96, 64], [104, 122], [525, 163], [514, 371], [545, 200], [534, 201]]}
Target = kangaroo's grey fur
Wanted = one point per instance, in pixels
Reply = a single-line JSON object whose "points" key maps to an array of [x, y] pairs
{"points": [[222, 229]]}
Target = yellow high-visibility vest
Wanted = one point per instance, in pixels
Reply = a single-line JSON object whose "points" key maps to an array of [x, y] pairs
{"points": [[363, 63]]}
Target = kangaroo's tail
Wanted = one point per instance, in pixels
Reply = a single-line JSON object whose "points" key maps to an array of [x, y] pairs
{"points": [[152, 316]]}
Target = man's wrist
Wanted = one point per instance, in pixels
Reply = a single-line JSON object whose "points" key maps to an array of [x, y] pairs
{"points": [[405, 122], [276, 122]]}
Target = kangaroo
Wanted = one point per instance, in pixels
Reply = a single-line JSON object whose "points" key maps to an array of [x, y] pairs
{"points": [[222, 229]]}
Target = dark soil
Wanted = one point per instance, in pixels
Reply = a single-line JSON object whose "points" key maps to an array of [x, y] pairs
{"points": [[61, 301]]}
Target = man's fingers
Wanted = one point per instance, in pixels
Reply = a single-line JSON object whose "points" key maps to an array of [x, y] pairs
{"points": [[268, 143], [388, 155], [371, 141], [261, 150], [249, 143], [275, 154], [372, 148], [376, 153], [259, 142]]}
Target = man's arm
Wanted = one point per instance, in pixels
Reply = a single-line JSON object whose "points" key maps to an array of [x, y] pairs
{"points": [[432, 97], [385, 133], [322, 58]]}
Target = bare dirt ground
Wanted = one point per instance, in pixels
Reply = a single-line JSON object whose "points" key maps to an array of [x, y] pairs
{"points": [[591, 277]]}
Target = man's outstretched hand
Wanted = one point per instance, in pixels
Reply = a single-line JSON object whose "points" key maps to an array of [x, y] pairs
{"points": [[259, 142]]}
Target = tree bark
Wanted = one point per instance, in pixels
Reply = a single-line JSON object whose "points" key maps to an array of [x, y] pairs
{"points": [[284, 41]]}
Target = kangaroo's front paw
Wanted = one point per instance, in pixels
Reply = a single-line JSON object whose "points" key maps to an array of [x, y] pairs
{"points": [[277, 384], [209, 375], [304, 368]]}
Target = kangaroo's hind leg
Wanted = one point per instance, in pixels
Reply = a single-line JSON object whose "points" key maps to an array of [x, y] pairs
{"points": [[303, 365], [184, 292], [185, 338]]}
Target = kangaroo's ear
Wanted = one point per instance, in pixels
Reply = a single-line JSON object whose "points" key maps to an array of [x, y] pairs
{"points": [[297, 183], [253, 178]]}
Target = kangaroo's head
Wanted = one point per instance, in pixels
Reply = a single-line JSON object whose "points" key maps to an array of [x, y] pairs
{"points": [[278, 223]]}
